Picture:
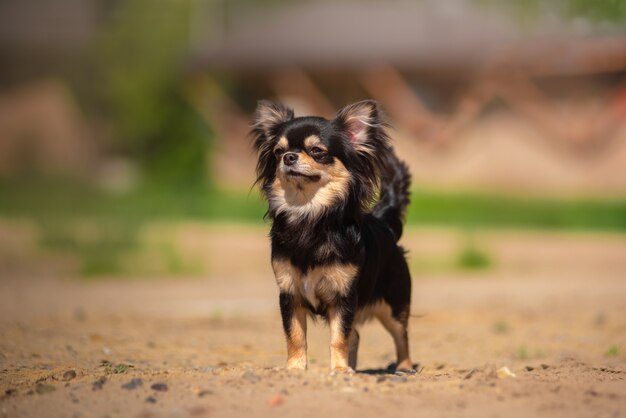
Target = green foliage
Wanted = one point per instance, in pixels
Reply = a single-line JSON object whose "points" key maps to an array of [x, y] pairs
{"points": [[522, 353], [472, 258], [501, 327], [528, 11], [99, 246], [65, 199], [136, 86], [110, 368], [475, 210], [598, 10], [613, 351], [106, 246]]}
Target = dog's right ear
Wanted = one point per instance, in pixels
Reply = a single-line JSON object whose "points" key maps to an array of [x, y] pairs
{"points": [[268, 117]]}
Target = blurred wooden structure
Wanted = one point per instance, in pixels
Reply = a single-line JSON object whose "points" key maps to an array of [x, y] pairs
{"points": [[435, 68]]}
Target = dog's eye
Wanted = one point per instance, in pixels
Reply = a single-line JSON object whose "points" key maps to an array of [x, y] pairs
{"points": [[278, 152], [316, 151]]}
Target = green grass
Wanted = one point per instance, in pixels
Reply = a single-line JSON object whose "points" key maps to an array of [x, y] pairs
{"points": [[467, 209], [501, 327], [613, 351], [56, 199], [70, 200], [103, 231], [472, 258]]}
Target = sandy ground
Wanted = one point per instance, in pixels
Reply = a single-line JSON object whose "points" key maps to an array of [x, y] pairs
{"points": [[552, 310]]}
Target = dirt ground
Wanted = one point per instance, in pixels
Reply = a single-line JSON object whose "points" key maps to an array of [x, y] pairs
{"points": [[552, 310]]}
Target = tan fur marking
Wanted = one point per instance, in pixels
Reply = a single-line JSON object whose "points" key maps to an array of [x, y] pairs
{"points": [[313, 141], [296, 341], [286, 276], [370, 312], [282, 144], [398, 330], [332, 280], [339, 349], [320, 283], [300, 198]]}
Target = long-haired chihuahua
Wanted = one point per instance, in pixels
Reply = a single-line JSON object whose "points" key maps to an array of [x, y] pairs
{"points": [[337, 197]]}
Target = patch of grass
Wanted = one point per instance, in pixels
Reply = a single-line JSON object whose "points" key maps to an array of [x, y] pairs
{"points": [[53, 198], [116, 247], [61, 199], [99, 246], [501, 327], [522, 353], [110, 368], [480, 210], [216, 315], [471, 257], [613, 351]]}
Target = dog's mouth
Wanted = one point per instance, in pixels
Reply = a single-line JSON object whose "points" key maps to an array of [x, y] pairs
{"points": [[299, 174]]}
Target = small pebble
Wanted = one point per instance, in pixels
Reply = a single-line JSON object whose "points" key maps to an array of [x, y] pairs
{"points": [[469, 374], [97, 385], [151, 399], [504, 373], [198, 411], [69, 375], [529, 368], [204, 393], [250, 376], [133, 384], [275, 400], [42, 388], [159, 387]]}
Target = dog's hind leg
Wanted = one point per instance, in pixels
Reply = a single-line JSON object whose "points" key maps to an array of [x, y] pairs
{"points": [[397, 326], [353, 347]]}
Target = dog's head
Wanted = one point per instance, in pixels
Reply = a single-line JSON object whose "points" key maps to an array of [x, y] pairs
{"points": [[308, 165]]}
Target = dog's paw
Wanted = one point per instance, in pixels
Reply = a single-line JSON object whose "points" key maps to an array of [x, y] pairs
{"points": [[342, 370], [296, 365], [406, 367]]}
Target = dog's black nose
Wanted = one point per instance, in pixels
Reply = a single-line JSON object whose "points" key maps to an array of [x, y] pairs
{"points": [[290, 158]]}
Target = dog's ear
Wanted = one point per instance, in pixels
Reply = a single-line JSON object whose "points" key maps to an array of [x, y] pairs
{"points": [[363, 124], [269, 116]]}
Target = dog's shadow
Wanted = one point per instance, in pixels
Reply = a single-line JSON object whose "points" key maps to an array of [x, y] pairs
{"points": [[390, 370]]}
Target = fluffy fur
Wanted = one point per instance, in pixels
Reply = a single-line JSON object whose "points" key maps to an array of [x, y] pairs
{"points": [[337, 196]]}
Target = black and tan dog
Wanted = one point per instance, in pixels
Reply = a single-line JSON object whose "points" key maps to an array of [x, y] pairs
{"points": [[337, 196]]}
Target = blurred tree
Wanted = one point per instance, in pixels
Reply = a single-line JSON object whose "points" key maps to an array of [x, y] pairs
{"points": [[138, 85], [598, 10], [595, 10]]}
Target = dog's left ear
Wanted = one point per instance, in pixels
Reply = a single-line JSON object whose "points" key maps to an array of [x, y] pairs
{"points": [[269, 116], [363, 124]]}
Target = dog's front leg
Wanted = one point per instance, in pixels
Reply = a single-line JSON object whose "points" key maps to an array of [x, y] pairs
{"points": [[294, 324], [340, 318]]}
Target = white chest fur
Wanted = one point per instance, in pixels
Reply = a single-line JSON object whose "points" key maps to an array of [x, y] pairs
{"points": [[321, 283]]}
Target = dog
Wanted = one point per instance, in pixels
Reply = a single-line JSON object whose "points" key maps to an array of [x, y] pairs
{"points": [[337, 196]]}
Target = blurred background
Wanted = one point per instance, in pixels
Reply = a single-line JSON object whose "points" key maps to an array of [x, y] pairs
{"points": [[123, 124]]}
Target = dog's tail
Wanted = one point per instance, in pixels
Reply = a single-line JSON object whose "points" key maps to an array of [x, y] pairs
{"points": [[394, 194]]}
